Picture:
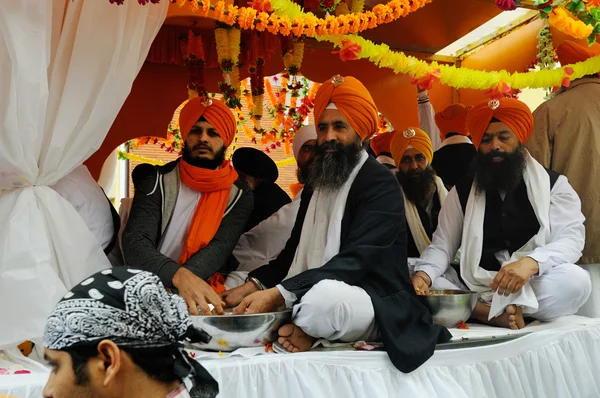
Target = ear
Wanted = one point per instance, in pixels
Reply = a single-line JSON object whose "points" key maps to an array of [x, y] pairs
{"points": [[109, 356]]}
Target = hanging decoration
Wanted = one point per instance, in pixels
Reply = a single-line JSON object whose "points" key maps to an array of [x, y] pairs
{"points": [[329, 5], [195, 61], [357, 6], [137, 158], [291, 20], [228, 51], [506, 5], [564, 21], [577, 18], [497, 81]]}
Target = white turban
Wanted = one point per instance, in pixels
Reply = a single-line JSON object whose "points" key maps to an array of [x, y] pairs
{"points": [[306, 133]]}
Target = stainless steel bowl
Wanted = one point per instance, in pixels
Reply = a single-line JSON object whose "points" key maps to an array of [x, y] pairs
{"points": [[230, 332], [450, 307]]}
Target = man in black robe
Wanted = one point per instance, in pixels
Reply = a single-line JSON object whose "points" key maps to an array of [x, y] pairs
{"points": [[454, 157], [260, 173], [424, 192], [344, 267]]}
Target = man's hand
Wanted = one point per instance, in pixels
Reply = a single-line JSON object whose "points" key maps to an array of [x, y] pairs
{"points": [[260, 302], [421, 282], [420, 90], [197, 293], [235, 296], [512, 277]]}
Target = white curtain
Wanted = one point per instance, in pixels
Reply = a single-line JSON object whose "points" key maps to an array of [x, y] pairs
{"points": [[66, 67]]}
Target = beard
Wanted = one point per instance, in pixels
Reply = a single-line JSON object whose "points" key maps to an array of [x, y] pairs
{"points": [[330, 170], [418, 185], [203, 163], [503, 176]]}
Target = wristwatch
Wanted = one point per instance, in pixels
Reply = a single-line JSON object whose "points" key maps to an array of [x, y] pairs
{"points": [[256, 282]]}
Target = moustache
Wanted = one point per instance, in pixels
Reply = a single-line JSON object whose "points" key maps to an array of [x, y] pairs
{"points": [[328, 146], [497, 154], [202, 146]]}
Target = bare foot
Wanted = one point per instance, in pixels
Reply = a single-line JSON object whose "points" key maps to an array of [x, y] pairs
{"points": [[293, 339], [511, 318]]}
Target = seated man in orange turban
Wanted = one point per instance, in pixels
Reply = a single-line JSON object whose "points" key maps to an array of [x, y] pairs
{"points": [[187, 215], [454, 157], [519, 227], [424, 192], [380, 145], [343, 270], [566, 138]]}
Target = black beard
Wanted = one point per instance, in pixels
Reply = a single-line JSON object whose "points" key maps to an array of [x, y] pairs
{"points": [[503, 176], [330, 170], [202, 162], [417, 184]]}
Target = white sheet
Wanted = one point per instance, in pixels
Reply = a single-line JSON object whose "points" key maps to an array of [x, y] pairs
{"points": [[561, 363]]}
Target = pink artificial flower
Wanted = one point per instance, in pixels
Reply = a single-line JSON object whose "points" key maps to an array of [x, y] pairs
{"points": [[506, 5]]}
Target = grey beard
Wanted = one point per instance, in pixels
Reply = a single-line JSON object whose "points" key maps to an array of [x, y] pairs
{"points": [[330, 170]]}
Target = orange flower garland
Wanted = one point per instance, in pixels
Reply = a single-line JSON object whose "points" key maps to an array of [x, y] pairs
{"points": [[291, 19], [563, 20]]}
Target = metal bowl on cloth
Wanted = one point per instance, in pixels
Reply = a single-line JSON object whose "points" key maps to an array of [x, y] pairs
{"points": [[449, 308], [230, 332]]}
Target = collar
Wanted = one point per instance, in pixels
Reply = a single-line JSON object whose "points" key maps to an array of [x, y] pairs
{"points": [[179, 392], [455, 139], [583, 80]]}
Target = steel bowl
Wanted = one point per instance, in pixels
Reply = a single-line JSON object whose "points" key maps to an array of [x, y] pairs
{"points": [[230, 332], [450, 307]]}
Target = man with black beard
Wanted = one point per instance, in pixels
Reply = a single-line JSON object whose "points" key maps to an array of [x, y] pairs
{"points": [[519, 227], [424, 192], [264, 242], [188, 215], [343, 270]]}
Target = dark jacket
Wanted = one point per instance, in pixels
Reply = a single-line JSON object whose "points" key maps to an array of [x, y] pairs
{"points": [[156, 191], [372, 256], [268, 199]]}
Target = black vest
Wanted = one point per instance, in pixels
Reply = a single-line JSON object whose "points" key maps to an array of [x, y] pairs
{"points": [[430, 225], [507, 224]]}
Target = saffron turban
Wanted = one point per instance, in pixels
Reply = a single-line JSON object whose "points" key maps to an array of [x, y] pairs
{"points": [[411, 137], [453, 119], [214, 111], [514, 113], [570, 52], [381, 143], [353, 100], [304, 134]]}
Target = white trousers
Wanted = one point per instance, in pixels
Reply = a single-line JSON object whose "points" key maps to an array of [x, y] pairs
{"points": [[560, 291], [334, 310]]}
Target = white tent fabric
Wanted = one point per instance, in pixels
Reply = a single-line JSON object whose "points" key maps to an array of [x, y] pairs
{"points": [[553, 363], [66, 67]]}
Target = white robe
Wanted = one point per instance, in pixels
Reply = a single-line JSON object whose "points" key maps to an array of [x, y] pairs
{"points": [[558, 277]]}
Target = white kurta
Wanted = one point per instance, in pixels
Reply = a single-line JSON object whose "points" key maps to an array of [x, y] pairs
{"points": [[427, 120], [81, 190], [265, 241], [173, 240], [556, 258]]}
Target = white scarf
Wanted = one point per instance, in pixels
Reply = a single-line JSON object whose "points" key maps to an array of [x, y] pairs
{"points": [[414, 221], [455, 139], [322, 229], [478, 279]]}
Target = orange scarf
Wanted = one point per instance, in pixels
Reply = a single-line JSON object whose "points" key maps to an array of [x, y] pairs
{"points": [[295, 188], [215, 186]]}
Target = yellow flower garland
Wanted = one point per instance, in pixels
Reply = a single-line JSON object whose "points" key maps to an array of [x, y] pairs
{"points": [[291, 20], [285, 162], [382, 56], [141, 159]]}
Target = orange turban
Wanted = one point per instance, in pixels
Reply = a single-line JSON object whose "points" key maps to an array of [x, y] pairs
{"points": [[514, 113], [352, 99], [415, 138], [453, 119], [381, 143], [216, 113], [570, 52]]}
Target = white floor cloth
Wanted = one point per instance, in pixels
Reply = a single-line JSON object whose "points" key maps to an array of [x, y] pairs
{"points": [[561, 362]]}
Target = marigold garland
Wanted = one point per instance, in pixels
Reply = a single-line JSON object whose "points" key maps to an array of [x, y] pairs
{"points": [[141, 159], [228, 52], [285, 162], [564, 21], [290, 19], [382, 56]]}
